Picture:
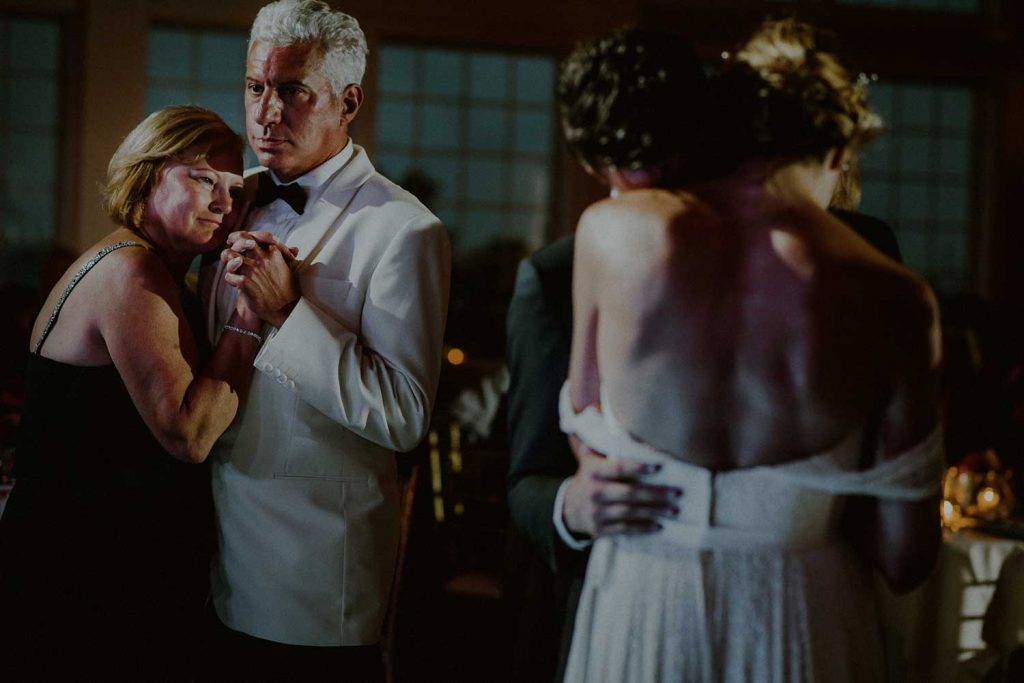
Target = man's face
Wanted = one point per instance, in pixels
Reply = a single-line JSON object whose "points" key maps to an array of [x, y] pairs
{"points": [[293, 120]]}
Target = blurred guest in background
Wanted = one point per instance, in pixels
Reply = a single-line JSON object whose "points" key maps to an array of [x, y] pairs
{"points": [[106, 538]]}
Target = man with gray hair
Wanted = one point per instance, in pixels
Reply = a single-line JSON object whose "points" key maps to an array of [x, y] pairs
{"points": [[352, 273]]}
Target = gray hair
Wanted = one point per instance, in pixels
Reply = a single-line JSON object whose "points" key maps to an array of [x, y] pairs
{"points": [[338, 37]]}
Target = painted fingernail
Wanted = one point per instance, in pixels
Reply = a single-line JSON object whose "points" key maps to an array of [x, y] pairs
{"points": [[674, 511], [650, 468], [676, 493]]}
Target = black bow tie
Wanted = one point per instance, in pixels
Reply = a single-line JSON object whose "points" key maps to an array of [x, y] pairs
{"points": [[267, 191]]}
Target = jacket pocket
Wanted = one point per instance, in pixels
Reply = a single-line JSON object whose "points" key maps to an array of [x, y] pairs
{"points": [[322, 450]]}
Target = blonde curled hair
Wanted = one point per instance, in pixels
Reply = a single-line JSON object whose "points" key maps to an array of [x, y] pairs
{"points": [[186, 133], [799, 99]]}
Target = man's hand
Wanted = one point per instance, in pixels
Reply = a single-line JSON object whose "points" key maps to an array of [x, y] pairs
{"points": [[607, 497], [260, 267]]}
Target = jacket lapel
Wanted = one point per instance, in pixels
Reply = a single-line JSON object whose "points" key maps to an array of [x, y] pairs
{"points": [[331, 205], [309, 236]]}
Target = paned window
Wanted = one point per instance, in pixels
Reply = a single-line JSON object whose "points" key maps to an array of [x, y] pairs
{"points": [[29, 131], [207, 68], [919, 176], [472, 134]]}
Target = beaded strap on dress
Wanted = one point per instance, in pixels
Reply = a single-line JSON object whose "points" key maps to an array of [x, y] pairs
{"points": [[86, 267]]}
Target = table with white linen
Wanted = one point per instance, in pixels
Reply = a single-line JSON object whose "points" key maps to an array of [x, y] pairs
{"points": [[950, 628]]}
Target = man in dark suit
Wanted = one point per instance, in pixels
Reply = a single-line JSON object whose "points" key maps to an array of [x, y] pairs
{"points": [[558, 499]]}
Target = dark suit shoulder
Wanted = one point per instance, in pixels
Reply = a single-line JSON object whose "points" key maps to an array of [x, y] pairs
{"points": [[556, 256], [874, 230], [553, 266]]}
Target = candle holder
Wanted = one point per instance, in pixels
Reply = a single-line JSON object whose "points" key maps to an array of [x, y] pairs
{"points": [[977, 490]]}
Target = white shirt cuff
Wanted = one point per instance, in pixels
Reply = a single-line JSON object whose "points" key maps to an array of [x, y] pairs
{"points": [[563, 531]]}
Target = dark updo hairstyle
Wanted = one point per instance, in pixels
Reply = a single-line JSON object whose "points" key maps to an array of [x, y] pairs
{"points": [[619, 96], [785, 94]]}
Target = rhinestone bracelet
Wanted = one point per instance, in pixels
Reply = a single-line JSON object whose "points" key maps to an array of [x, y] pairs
{"points": [[247, 333]]}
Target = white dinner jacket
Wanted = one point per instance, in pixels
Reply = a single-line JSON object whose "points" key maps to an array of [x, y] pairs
{"points": [[304, 480]]}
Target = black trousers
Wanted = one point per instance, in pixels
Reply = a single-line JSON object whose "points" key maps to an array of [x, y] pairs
{"points": [[235, 656]]}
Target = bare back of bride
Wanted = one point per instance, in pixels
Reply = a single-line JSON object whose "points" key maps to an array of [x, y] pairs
{"points": [[766, 360], [758, 333]]}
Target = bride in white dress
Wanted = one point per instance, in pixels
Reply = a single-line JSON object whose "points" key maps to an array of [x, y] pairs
{"points": [[777, 369]]}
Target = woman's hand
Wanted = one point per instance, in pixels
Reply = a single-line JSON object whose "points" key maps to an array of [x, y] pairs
{"points": [[260, 267], [185, 404], [243, 240], [607, 497]]}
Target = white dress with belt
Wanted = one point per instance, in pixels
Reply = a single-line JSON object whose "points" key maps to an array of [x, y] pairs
{"points": [[751, 582]]}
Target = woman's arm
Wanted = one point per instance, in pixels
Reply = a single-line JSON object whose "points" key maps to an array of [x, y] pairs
{"points": [[605, 496], [584, 378], [142, 323], [902, 538]]}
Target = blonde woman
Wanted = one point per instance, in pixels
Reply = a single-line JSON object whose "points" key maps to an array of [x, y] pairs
{"points": [[105, 542], [741, 349]]}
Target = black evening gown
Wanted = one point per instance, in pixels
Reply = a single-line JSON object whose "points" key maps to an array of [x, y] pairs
{"points": [[106, 539]]}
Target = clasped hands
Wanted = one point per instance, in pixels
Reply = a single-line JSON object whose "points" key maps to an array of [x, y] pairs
{"points": [[261, 268], [607, 497], [604, 497]]}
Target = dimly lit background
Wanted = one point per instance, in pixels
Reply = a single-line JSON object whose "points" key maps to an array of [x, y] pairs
{"points": [[460, 111]]}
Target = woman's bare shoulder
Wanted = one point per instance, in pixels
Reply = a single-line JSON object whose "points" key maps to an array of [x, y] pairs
{"points": [[93, 291], [122, 271], [847, 262], [652, 200], [132, 252], [637, 207]]}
